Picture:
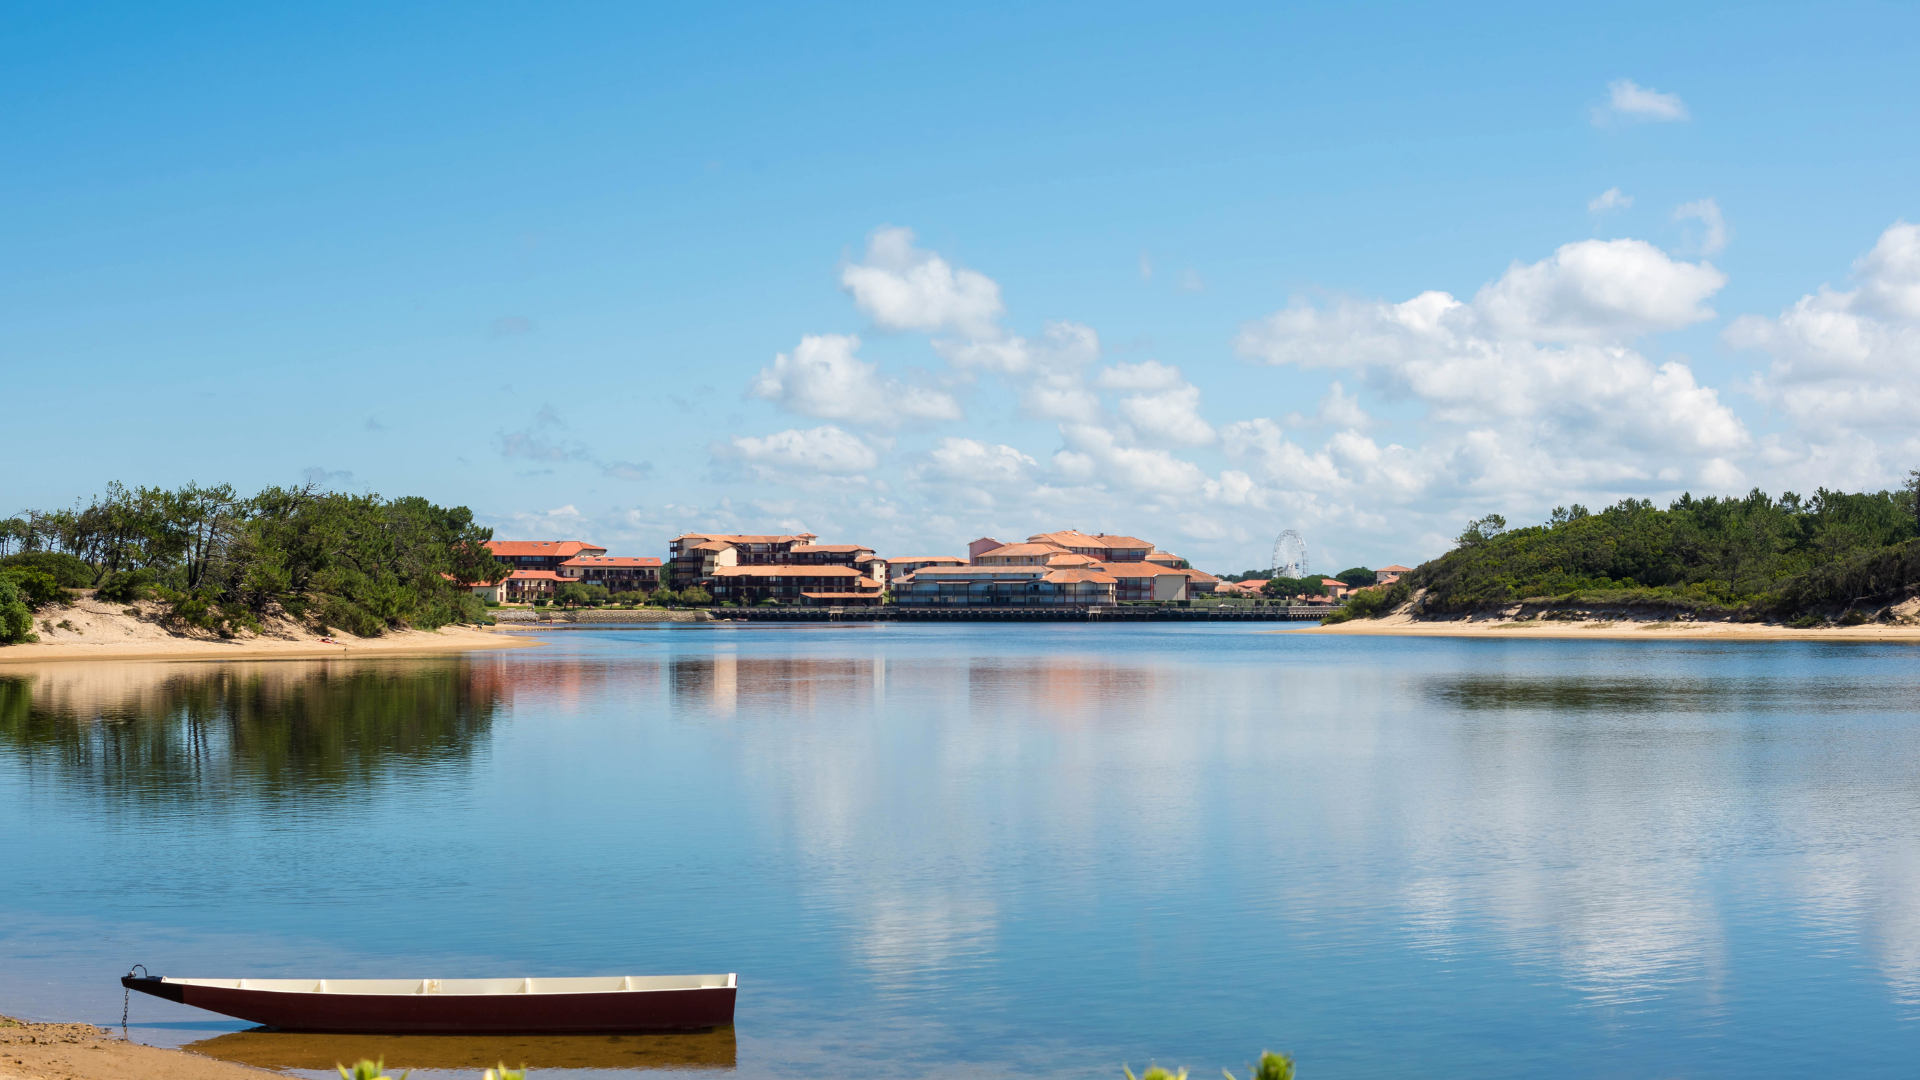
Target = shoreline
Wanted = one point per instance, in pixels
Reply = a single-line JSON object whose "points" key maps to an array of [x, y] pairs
{"points": [[89, 629], [35, 1051], [1620, 629]]}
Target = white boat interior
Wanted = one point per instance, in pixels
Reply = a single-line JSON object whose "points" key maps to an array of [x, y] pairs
{"points": [[592, 984]]}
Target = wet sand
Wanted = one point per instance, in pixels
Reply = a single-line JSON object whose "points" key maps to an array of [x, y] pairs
{"points": [[1617, 628], [84, 1052]]}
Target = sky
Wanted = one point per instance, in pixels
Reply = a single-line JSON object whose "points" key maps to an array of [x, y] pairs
{"points": [[908, 277]]}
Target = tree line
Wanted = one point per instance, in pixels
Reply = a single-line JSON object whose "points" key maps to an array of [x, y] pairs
{"points": [[221, 561], [1757, 556]]}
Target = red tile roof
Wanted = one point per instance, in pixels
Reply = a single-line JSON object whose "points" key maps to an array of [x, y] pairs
{"points": [[799, 570], [732, 539], [562, 548], [1396, 569], [809, 548], [1063, 577], [533, 575], [609, 560]]}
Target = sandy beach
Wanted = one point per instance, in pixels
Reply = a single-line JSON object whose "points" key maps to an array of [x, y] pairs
{"points": [[84, 1052], [1630, 626], [90, 629]]}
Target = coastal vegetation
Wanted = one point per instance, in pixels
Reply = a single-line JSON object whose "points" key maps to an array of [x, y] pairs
{"points": [[219, 561], [1832, 556]]}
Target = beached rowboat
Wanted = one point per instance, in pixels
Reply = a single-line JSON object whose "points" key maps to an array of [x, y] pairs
{"points": [[460, 1006]]}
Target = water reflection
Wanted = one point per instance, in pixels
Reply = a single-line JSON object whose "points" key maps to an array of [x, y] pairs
{"points": [[307, 729], [1014, 852], [265, 1048]]}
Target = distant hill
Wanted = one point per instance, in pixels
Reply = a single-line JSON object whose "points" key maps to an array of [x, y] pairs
{"points": [[1757, 557]]}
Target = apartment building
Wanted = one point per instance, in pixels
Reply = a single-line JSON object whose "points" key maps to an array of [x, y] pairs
{"points": [[540, 554], [1003, 586], [693, 557], [902, 567], [1132, 568], [800, 584], [619, 573]]}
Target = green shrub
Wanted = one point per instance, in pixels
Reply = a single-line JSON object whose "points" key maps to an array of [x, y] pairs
{"points": [[126, 586], [1808, 622], [337, 611], [70, 571], [16, 621], [37, 587], [1272, 1067]]}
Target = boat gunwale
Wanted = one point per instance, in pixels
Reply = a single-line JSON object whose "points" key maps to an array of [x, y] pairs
{"points": [[528, 986]]}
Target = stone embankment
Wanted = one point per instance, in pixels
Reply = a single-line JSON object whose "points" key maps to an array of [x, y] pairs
{"points": [[551, 617]]}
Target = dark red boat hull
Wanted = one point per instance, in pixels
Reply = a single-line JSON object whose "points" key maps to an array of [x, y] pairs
{"points": [[458, 1014]]}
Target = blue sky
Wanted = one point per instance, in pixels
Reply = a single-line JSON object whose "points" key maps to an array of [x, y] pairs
{"points": [[542, 264]]}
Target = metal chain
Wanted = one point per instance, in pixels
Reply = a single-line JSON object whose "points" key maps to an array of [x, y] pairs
{"points": [[126, 999]]}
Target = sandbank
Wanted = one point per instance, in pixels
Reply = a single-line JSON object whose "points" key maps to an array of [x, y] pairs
{"points": [[1622, 627], [90, 629], [84, 1052]]}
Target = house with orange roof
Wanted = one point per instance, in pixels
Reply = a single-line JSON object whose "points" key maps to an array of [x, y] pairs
{"points": [[1387, 575], [793, 583], [522, 587], [1004, 586], [619, 573], [902, 567], [694, 556], [540, 554]]}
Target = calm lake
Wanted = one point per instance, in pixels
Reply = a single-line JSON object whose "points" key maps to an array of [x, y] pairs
{"points": [[1005, 850]]}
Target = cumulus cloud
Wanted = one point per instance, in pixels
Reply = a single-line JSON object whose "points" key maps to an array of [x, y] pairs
{"points": [[1713, 237], [1599, 290], [1539, 368], [825, 450], [1629, 101], [1610, 199], [1844, 359], [823, 378], [900, 287], [1050, 372], [1163, 408]]}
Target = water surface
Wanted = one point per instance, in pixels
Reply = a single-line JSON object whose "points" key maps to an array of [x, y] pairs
{"points": [[1012, 850]]}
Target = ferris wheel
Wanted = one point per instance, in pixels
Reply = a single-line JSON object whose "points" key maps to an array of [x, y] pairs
{"points": [[1289, 555]]}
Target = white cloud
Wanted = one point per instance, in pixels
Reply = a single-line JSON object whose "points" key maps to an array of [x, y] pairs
{"points": [[901, 287], [1610, 199], [1599, 290], [1539, 369], [1095, 455], [1164, 408], [1050, 372], [1707, 212], [1341, 409], [1847, 359], [823, 379], [825, 450], [1627, 100]]}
